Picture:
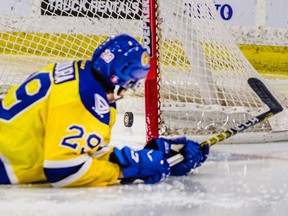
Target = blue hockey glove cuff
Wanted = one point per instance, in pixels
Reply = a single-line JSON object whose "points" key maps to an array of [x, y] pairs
{"points": [[148, 165]]}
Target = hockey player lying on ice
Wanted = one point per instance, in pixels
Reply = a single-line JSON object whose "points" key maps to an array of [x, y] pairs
{"points": [[55, 127]]}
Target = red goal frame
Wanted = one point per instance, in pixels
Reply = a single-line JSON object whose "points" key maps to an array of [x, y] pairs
{"points": [[152, 103]]}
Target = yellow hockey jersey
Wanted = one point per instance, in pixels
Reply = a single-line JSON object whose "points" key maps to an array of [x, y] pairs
{"points": [[55, 128]]}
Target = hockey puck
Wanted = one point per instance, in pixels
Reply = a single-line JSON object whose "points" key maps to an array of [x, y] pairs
{"points": [[128, 119]]}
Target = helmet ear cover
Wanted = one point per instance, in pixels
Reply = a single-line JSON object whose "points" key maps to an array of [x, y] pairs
{"points": [[122, 61]]}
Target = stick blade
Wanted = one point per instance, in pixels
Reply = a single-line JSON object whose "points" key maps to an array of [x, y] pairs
{"points": [[264, 94]]}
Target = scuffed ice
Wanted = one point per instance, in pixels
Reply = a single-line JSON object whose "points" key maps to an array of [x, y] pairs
{"points": [[253, 184]]}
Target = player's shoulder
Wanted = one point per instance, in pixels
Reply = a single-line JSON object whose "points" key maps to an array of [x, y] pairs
{"points": [[64, 72], [83, 64], [48, 68], [67, 71], [63, 67]]}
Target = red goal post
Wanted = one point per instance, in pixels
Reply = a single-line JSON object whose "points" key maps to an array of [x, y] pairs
{"points": [[235, 107], [151, 84]]}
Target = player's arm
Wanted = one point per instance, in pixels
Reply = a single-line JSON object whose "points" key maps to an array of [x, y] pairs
{"points": [[81, 170], [78, 156], [81, 158], [123, 164]]}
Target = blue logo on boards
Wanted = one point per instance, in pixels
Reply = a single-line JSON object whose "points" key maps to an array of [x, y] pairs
{"points": [[203, 11], [225, 10]]}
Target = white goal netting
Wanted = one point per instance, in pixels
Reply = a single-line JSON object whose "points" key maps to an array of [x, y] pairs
{"points": [[202, 73]]}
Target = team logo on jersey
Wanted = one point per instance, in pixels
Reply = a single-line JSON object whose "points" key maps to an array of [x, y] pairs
{"points": [[101, 105], [107, 56]]}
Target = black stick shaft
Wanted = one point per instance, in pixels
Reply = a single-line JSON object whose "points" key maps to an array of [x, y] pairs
{"points": [[265, 95]]}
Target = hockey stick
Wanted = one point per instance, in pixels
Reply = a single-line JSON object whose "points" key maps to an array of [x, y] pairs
{"points": [[265, 95]]}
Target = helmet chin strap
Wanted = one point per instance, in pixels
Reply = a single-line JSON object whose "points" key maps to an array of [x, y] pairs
{"points": [[109, 89], [100, 78], [116, 90]]}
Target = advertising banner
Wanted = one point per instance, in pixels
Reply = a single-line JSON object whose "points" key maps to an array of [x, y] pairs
{"points": [[236, 12], [115, 9]]}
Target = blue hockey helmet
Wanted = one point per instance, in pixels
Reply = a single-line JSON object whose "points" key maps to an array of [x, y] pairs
{"points": [[122, 61]]}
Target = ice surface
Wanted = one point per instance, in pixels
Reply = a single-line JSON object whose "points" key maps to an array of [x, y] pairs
{"points": [[236, 180]]}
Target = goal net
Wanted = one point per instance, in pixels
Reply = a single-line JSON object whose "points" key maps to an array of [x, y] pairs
{"points": [[198, 80]]}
